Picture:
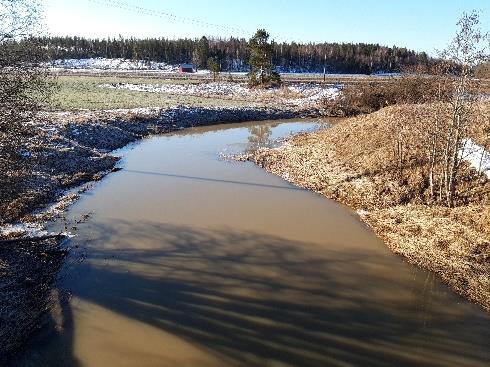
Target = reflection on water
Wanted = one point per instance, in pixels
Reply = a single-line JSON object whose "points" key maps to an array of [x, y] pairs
{"points": [[259, 136], [189, 260]]}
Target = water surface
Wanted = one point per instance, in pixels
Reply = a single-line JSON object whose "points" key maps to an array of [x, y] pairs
{"points": [[191, 260]]}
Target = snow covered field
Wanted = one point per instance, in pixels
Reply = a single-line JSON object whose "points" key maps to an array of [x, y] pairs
{"points": [[111, 64], [298, 94]]}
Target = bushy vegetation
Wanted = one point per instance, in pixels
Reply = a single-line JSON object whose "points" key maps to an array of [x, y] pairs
{"points": [[413, 86], [24, 89]]}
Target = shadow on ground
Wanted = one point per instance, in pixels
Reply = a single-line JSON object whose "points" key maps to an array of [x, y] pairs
{"points": [[255, 299]]}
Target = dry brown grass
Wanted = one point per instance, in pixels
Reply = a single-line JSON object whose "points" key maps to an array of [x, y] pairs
{"points": [[348, 163], [437, 239]]}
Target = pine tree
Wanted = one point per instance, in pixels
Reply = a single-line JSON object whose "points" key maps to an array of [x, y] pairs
{"points": [[261, 69], [201, 53], [213, 66]]}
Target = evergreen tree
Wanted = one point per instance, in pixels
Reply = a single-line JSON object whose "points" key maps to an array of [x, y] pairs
{"points": [[213, 66], [201, 53], [261, 69]]}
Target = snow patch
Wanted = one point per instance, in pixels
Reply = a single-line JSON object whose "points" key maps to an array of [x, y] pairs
{"points": [[111, 64], [23, 229], [298, 94], [476, 156]]}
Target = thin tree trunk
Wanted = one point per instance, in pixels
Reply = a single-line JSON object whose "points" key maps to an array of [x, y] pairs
{"points": [[480, 164], [445, 173], [454, 164], [433, 156]]}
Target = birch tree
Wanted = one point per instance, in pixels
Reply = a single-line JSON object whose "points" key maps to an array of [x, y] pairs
{"points": [[433, 134], [468, 49]]}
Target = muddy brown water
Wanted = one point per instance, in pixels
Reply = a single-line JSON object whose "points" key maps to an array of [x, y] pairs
{"points": [[191, 260]]}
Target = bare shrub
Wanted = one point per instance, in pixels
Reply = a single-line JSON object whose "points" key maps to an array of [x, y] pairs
{"points": [[24, 89], [456, 113], [414, 85]]}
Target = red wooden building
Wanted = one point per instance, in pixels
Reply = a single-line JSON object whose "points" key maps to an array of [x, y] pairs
{"points": [[186, 68]]}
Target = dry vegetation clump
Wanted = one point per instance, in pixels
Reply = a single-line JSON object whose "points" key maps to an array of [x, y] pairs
{"points": [[413, 86], [285, 92], [483, 70], [481, 131], [353, 163]]}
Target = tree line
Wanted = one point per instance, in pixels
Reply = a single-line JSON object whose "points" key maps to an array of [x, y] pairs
{"points": [[233, 54]]}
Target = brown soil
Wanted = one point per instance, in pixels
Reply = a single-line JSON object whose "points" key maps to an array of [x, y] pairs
{"points": [[27, 272]]}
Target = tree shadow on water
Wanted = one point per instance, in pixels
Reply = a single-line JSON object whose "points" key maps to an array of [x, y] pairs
{"points": [[256, 299]]}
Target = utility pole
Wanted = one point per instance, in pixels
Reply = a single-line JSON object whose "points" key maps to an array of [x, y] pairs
{"points": [[262, 70], [325, 69]]}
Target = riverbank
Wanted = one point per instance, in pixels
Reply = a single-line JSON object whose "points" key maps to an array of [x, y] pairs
{"points": [[28, 269], [180, 240], [341, 164], [70, 149]]}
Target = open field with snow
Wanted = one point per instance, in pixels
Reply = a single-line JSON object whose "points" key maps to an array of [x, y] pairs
{"points": [[300, 95], [110, 64], [112, 92], [117, 64], [84, 92]]}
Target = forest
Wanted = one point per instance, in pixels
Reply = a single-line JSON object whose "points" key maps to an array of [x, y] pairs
{"points": [[233, 53]]}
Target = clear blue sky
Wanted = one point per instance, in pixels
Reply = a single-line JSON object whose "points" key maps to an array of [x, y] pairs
{"points": [[423, 25]]}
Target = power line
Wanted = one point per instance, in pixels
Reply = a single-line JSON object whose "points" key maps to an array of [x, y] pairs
{"points": [[162, 14], [178, 19]]}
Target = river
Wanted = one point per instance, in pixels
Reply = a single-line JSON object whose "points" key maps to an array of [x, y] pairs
{"points": [[191, 260]]}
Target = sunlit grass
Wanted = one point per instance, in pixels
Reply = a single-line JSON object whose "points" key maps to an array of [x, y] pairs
{"points": [[84, 92]]}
